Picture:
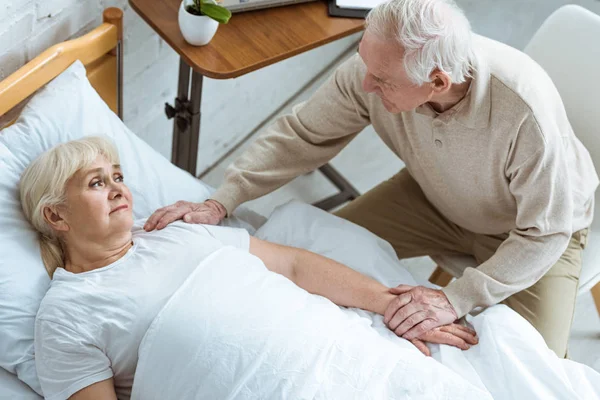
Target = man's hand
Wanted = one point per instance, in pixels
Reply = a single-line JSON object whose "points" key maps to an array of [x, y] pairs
{"points": [[417, 310], [210, 212], [453, 335]]}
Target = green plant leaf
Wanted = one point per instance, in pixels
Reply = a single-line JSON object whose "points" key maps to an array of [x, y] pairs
{"points": [[216, 12]]}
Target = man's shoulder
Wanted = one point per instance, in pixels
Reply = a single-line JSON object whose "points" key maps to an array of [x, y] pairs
{"points": [[349, 76], [348, 79], [517, 81], [353, 68]]}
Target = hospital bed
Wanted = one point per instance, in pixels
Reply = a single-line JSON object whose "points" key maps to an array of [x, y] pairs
{"points": [[65, 72]]}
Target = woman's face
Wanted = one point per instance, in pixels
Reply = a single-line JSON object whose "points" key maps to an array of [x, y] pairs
{"points": [[99, 204]]}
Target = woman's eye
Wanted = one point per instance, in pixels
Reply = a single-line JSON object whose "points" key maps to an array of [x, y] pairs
{"points": [[119, 178], [96, 184]]}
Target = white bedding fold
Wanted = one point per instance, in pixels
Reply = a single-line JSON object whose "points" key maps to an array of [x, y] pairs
{"points": [[235, 330], [258, 336]]}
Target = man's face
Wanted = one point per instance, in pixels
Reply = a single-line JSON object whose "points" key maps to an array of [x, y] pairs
{"points": [[386, 76]]}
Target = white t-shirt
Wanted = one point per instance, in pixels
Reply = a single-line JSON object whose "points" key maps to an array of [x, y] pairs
{"points": [[90, 325]]}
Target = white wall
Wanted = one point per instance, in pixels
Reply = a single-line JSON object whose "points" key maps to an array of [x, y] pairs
{"points": [[230, 109]]}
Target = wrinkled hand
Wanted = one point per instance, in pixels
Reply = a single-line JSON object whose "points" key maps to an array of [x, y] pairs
{"points": [[454, 335], [416, 310], [210, 212]]}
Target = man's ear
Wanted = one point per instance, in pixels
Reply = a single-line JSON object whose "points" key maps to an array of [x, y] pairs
{"points": [[440, 81], [53, 217]]}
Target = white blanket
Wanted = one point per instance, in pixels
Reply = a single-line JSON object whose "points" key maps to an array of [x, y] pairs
{"points": [[238, 331], [235, 330]]}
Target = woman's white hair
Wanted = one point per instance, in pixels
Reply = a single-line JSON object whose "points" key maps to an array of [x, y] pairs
{"points": [[435, 34], [43, 184]]}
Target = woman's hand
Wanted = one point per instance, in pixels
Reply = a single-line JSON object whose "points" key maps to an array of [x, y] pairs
{"points": [[453, 334], [210, 212]]}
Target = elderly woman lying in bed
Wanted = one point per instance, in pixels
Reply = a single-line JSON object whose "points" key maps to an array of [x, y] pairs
{"points": [[111, 278]]}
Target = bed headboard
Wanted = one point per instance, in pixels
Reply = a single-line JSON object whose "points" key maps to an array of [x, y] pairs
{"points": [[101, 51]]}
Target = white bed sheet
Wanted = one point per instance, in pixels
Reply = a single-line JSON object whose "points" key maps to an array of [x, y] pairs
{"points": [[582, 381], [11, 388], [210, 342]]}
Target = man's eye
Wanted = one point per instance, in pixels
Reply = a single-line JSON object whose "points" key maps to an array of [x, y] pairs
{"points": [[381, 82]]}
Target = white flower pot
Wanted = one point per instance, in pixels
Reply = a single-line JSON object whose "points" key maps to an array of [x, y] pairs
{"points": [[197, 30]]}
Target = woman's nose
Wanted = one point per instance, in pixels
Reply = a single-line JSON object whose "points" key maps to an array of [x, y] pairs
{"points": [[116, 191]]}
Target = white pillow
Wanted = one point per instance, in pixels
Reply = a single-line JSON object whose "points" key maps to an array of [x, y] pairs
{"points": [[302, 225], [65, 109]]}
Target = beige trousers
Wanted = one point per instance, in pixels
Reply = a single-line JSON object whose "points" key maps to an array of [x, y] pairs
{"points": [[398, 211]]}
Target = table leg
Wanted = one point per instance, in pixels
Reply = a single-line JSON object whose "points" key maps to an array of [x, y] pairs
{"points": [[347, 191], [186, 114], [194, 134], [172, 112]]}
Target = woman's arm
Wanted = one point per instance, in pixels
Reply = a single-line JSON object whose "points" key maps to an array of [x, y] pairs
{"points": [[323, 276], [345, 287], [103, 390]]}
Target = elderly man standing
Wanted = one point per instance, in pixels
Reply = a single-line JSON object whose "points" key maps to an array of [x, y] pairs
{"points": [[493, 168]]}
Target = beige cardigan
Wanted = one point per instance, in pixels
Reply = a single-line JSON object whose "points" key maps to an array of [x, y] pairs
{"points": [[502, 160]]}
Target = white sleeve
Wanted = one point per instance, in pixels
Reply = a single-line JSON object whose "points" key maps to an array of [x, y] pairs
{"points": [[235, 237], [66, 361]]}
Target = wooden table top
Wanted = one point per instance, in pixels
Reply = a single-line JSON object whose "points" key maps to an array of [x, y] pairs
{"points": [[251, 40]]}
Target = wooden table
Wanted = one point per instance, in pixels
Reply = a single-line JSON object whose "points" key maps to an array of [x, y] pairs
{"points": [[250, 41]]}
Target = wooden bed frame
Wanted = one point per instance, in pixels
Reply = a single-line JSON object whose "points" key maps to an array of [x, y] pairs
{"points": [[101, 51]]}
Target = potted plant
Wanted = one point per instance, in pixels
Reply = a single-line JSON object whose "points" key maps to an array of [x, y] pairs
{"points": [[199, 19]]}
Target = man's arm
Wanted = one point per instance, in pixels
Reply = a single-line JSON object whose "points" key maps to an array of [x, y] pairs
{"points": [[323, 276], [295, 144], [299, 142], [536, 170], [539, 182]]}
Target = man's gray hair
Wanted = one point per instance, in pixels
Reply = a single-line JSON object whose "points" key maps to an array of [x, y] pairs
{"points": [[433, 33]]}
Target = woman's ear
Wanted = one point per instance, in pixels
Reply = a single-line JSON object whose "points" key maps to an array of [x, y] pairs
{"points": [[54, 219], [440, 81]]}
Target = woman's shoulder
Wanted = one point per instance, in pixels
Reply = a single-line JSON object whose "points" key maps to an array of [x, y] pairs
{"points": [[68, 303], [58, 316], [59, 298]]}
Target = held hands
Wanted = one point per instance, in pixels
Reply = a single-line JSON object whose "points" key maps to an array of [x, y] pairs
{"points": [[418, 310], [454, 335], [210, 212]]}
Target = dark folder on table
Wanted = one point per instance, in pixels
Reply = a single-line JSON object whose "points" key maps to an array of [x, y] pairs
{"points": [[351, 8]]}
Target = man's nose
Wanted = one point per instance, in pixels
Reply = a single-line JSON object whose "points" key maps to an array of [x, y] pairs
{"points": [[368, 84]]}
